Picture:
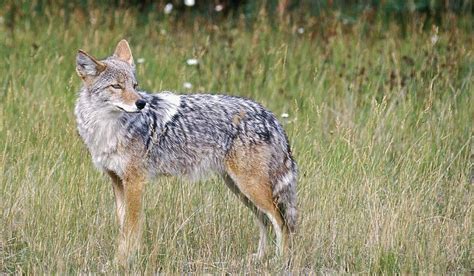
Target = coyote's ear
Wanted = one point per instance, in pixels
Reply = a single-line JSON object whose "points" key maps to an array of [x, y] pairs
{"points": [[123, 52], [87, 65]]}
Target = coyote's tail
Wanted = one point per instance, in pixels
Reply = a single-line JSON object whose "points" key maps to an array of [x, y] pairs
{"points": [[284, 191]]}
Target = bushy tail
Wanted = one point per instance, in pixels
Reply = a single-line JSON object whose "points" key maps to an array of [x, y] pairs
{"points": [[284, 191]]}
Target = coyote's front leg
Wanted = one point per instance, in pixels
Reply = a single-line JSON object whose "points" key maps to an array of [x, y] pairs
{"points": [[117, 184], [129, 201]]}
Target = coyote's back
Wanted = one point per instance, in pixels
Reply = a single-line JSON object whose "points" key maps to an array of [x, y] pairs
{"points": [[132, 135]]}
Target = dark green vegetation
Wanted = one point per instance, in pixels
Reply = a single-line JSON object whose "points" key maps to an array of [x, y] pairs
{"points": [[380, 124]]}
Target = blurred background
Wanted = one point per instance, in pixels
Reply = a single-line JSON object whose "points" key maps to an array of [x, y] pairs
{"points": [[403, 12]]}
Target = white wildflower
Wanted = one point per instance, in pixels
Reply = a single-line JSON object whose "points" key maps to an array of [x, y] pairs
{"points": [[189, 3], [285, 115], [218, 8], [434, 39], [192, 61], [434, 36], [168, 8], [300, 30], [187, 85], [140, 60]]}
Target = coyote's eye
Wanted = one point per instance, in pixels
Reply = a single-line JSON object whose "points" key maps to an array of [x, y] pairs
{"points": [[116, 86]]}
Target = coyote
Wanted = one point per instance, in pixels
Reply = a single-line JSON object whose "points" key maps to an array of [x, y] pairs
{"points": [[133, 136]]}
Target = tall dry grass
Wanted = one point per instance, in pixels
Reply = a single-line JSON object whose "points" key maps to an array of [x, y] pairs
{"points": [[380, 125]]}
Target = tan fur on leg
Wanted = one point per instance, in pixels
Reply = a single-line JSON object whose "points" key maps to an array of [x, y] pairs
{"points": [[280, 232], [248, 169], [133, 184], [262, 242], [260, 219], [119, 197]]}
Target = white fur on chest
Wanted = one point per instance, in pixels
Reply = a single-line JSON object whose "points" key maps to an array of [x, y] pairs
{"points": [[104, 147], [100, 130]]}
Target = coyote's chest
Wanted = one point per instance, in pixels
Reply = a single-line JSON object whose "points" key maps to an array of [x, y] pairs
{"points": [[103, 138]]}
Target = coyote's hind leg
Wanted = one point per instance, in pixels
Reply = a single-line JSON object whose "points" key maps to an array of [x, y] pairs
{"points": [[260, 217], [247, 166]]}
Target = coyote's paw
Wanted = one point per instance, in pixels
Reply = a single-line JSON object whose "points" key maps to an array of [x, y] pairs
{"points": [[125, 252]]}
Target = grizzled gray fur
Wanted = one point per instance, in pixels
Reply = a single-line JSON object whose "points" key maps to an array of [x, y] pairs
{"points": [[133, 135], [197, 138]]}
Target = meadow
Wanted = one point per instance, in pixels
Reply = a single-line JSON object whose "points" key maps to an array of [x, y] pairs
{"points": [[380, 125]]}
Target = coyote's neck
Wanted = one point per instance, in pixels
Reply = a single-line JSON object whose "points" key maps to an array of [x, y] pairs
{"points": [[114, 137], [100, 127]]}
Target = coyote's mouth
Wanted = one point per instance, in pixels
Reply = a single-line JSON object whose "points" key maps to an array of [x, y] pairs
{"points": [[126, 108]]}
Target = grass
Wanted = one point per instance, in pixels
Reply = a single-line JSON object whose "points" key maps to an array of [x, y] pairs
{"points": [[380, 125]]}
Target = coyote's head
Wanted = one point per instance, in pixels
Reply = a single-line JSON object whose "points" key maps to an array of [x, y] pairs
{"points": [[111, 81]]}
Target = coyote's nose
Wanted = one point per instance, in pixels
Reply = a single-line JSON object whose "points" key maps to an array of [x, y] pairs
{"points": [[140, 104]]}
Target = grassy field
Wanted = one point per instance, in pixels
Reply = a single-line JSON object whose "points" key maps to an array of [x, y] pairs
{"points": [[380, 125]]}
